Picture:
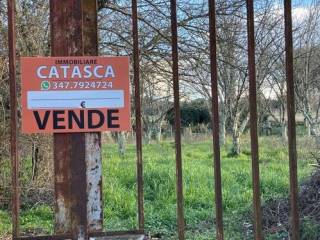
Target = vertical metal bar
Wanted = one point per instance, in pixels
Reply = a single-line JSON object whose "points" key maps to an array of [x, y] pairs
{"points": [[66, 18], [93, 155], [215, 119], [177, 119], [291, 122], [136, 66], [14, 118], [253, 123]]}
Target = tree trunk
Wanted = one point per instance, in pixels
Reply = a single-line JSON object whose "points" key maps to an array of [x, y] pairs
{"points": [[235, 150], [148, 135], [158, 132], [314, 129], [236, 144], [121, 143], [153, 132], [159, 135], [35, 160], [237, 130], [284, 133], [222, 129], [308, 127], [315, 132], [120, 139]]}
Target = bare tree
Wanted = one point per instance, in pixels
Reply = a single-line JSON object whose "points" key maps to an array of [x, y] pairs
{"points": [[307, 65], [232, 64]]}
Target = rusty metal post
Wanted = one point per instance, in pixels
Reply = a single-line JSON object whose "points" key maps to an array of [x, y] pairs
{"points": [[13, 118], [291, 122], [73, 153], [93, 155], [137, 99], [177, 119], [215, 119], [62, 35], [253, 123]]}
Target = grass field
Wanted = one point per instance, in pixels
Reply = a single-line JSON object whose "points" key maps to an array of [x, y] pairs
{"points": [[160, 199]]}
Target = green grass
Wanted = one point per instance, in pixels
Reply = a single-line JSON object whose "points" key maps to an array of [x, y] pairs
{"points": [[5, 224], [159, 188]]}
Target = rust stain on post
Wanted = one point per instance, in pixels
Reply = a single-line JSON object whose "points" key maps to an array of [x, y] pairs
{"points": [[61, 150], [92, 140], [215, 119], [291, 123], [79, 221], [253, 123], [90, 28], [13, 118]]}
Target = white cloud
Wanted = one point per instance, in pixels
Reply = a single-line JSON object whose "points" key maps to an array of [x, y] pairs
{"points": [[299, 13]]}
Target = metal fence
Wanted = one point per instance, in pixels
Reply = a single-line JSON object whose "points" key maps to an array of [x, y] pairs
{"points": [[258, 233]]}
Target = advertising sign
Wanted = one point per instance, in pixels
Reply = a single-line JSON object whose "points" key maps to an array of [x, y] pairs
{"points": [[75, 94]]}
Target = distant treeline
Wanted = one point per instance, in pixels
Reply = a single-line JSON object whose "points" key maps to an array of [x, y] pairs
{"points": [[192, 113]]}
